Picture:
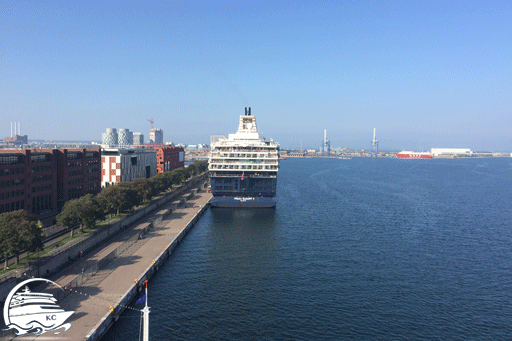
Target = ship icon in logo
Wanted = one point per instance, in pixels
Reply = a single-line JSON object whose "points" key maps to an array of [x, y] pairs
{"points": [[34, 312]]}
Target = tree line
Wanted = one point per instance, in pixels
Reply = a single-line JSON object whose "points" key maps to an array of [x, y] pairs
{"points": [[20, 230], [87, 210]]}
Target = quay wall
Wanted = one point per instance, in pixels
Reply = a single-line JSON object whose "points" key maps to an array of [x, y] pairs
{"points": [[60, 257], [108, 319]]}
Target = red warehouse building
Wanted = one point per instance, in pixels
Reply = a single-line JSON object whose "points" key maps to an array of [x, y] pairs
{"points": [[167, 157], [40, 181]]}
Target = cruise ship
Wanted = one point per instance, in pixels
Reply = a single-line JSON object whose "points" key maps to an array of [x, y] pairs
{"points": [[243, 167]]}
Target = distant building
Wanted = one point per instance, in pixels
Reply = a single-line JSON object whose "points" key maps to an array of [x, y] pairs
{"points": [[447, 152], [16, 140], [484, 154], [138, 139], [40, 181], [197, 146], [110, 137], [123, 165], [124, 137], [156, 136], [168, 157]]}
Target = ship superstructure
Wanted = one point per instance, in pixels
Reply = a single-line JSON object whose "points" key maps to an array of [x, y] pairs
{"points": [[243, 167]]}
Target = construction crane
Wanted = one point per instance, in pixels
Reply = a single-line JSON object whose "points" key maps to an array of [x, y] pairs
{"points": [[151, 120]]}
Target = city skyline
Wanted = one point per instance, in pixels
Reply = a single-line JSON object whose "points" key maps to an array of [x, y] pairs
{"points": [[424, 74]]}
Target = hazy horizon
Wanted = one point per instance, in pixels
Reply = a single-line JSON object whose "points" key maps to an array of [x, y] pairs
{"points": [[424, 74]]}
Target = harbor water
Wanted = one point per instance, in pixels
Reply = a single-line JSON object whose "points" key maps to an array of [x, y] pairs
{"points": [[361, 249]]}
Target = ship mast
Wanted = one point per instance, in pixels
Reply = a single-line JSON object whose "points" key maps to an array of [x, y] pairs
{"points": [[145, 336]]}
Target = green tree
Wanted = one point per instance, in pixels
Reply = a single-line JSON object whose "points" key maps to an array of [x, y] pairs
{"points": [[19, 231], [69, 216], [119, 197], [191, 169], [89, 211], [143, 187], [168, 180], [6, 233], [27, 233], [201, 166], [159, 183], [179, 175]]}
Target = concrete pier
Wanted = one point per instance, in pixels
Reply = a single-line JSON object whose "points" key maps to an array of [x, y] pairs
{"points": [[99, 301]]}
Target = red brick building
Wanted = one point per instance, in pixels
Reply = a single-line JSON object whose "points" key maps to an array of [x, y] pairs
{"points": [[167, 157], [78, 173], [40, 181]]}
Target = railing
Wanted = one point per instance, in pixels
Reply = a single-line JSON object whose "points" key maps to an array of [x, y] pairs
{"points": [[239, 175], [245, 162], [241, 149], [239, 157]]}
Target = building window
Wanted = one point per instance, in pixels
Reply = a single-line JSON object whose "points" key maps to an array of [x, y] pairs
{"points": [[74, 155], [40, 157], [91, 155], [11, 159]]}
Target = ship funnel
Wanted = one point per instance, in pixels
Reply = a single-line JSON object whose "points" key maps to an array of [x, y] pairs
{"points": [[245, 111], [249, 111]]}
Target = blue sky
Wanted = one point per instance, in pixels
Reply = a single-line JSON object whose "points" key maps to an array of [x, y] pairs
{"points": [[424, 73]]}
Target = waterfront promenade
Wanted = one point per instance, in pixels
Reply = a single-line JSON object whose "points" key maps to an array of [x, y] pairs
{"points": [[91, 302]]}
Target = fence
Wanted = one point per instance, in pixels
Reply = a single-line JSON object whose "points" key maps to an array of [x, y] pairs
{"points": [[58, 257]]}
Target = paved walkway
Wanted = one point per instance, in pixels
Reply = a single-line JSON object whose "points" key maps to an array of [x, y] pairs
{"points": [[110, 284]]}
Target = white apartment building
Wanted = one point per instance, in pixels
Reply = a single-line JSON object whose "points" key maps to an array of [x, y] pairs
{"points": [[138, 139], [123, 165], [156, 136]]}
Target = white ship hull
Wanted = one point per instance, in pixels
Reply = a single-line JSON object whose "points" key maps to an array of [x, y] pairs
{"points": [[248, 202]]}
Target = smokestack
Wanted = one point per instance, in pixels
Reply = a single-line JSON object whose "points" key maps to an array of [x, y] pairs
{"points": [[373, 134], [14, 128], [11, 129], [249, 111], [325, 135], [245, 111], [19, 128]]}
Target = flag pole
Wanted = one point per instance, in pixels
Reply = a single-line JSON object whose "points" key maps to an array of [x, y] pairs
{"points": [[146, 315]]}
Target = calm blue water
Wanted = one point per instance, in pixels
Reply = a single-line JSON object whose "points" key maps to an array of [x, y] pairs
{"points": [[356, 249]]}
